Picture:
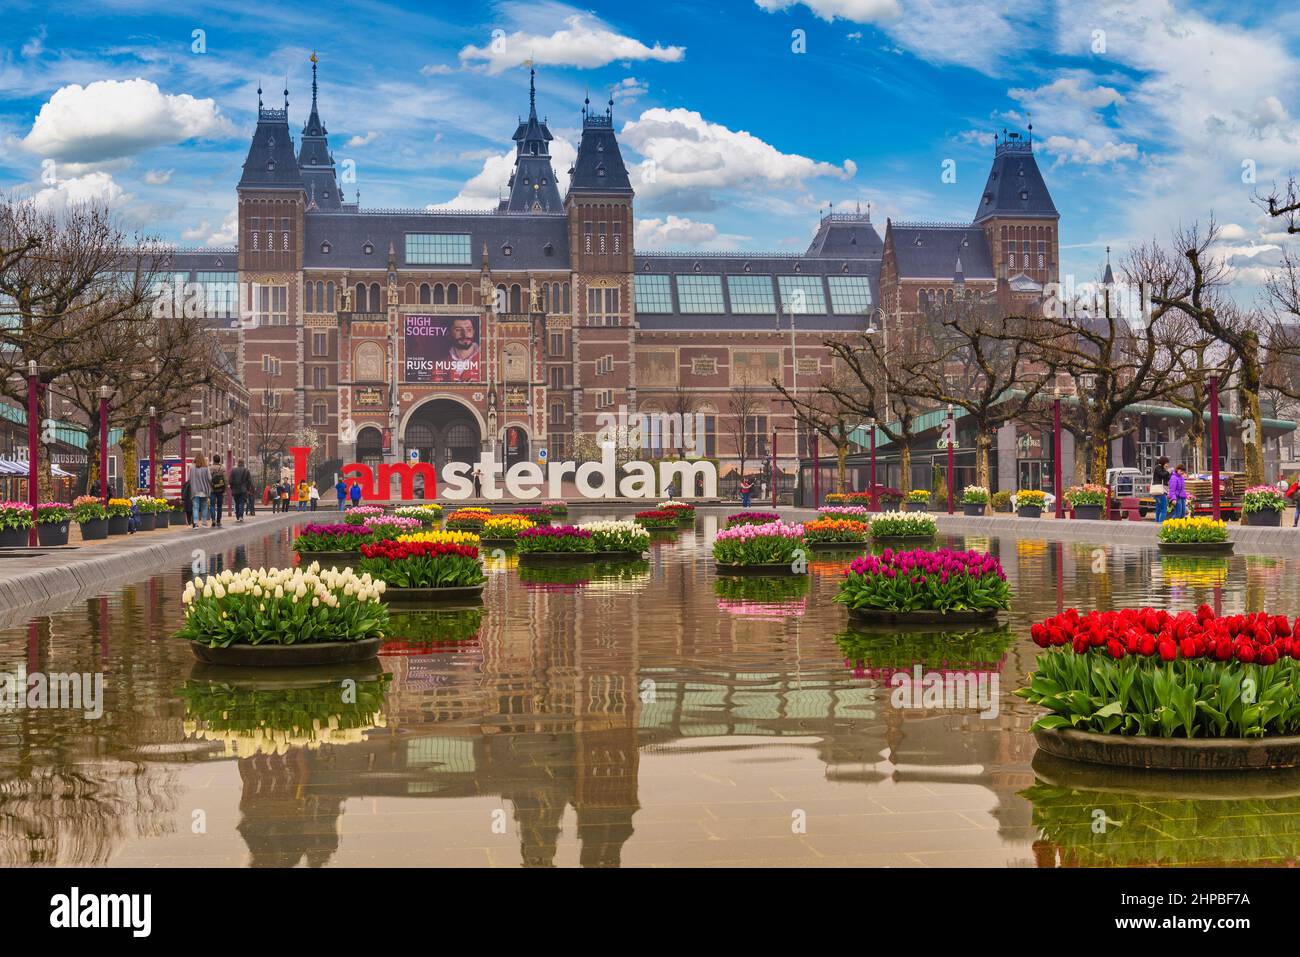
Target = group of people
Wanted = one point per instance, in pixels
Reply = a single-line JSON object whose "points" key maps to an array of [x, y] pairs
{"points": [[284, 496], [203, 495], [1170, 488]]}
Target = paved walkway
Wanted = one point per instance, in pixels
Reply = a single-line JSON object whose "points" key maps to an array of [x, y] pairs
{"points": [[39, 581]]}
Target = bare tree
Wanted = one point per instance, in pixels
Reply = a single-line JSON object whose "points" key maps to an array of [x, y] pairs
{"points": [[66, 276], [825, 415], [744, 405]]}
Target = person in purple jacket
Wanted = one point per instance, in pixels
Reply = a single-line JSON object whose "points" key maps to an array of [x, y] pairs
{"points": [[1178, 491]]}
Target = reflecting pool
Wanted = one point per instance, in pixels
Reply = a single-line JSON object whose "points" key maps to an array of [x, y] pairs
{"points": [[615, 713]]}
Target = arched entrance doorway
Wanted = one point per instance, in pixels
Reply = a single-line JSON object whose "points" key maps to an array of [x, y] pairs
{"points": [[515, 441], [442, 431]]}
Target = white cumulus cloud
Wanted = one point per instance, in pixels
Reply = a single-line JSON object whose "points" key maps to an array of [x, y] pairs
{"points": [[678, 232], [584, 41], [108, 119], [99, 188], [1077, 150], [486, 187], [683, 152], [360, 140]]}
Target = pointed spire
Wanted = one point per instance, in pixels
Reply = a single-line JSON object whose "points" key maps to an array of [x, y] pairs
{"points": [[1109, 278], [313, 81], [532, 91], [259, 98]]}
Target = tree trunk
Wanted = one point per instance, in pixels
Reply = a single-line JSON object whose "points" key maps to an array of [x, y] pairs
{"points": [[1100, 455], [1252, 433], [983, 442], [129, 477], [841, 453], [905, 466]]}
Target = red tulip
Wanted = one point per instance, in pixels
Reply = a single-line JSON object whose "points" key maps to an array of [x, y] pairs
{"points": [[1168, 651]]}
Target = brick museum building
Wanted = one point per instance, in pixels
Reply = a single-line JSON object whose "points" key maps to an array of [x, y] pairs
{"points": [[396, 334]]}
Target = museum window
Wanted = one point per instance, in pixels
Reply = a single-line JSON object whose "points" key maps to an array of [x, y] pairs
{"points": [[319, 344], [438, 249], [802, 295], [654, 294], [556, 344], [586, 238], [319, 378], [700, 294], [557, 377], [602, 307], [424, 294], [752, 295], [557, 413], [617, 237], [319, 413], [271, 305]]}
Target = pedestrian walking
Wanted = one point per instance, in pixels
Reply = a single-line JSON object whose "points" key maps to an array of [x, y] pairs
{"points": [[313, 496], [200, 490], [746, 487], [241, 487], [187, 502], [285, 489], [1178, 491], [1160, 488], [478, 483], [341, 490], [1293, 493], [304, 495], [217, 478]]}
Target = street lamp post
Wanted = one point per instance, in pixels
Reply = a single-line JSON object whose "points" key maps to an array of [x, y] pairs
{"points": [[184, 437], [1056, 457], [871, 424], [1214, 445], [952, 441], [153, 452], [33, 443], [103, 443]]}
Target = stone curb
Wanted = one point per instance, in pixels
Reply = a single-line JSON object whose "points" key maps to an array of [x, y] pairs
{"points": [[95, 569]]}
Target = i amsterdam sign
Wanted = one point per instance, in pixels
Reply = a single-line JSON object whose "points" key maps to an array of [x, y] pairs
{"points": [[523, 480]]}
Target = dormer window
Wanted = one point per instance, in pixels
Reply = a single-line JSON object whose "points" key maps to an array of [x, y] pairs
{"points": [[325, 248], [600, 170], [270, 165], [747, 267], [988, 198], [1024, 194], [600, 146], [368, 249], [507, 250], [695, 267], [548, 250]]}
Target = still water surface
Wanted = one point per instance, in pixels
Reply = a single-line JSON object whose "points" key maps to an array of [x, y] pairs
{"points": [[632, 714]]}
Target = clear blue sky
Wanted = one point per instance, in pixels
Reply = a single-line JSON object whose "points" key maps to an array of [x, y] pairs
{"points": [[739, 129]]}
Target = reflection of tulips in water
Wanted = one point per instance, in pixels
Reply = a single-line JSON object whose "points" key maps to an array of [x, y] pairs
{"points": [[878, 654], [776, 597], [427, 630], [571, 577], [1100, 828], [250, 719], [1194, 571], [1031, 548], [497, 559]]}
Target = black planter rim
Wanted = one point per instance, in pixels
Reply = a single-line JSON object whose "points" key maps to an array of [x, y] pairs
{"points": [[287, 656], [924, 616], [394, 594], [578, 556], [781, 568], [1171, 754], [839, 546], [1206, 547]]}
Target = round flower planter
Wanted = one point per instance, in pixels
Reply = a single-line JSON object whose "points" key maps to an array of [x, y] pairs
{"points": [[499, 542], [147, 523], [970, 508], [562, 557], [94, 530], [14, 538], [395, 595], [1267, 518], [921, 617], [1030, 511], [1090, 513], [1194, 548], [837, 546], [1172, 754], [52, 533], [326, 559], [117, 524], [288, 656], [783, 568], [902, 539], [915, 507]]}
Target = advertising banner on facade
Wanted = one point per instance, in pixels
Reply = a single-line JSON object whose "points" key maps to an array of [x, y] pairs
{"points": [[442, 348]]}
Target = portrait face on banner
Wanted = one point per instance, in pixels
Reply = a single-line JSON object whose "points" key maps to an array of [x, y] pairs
{"points": [[442, 348]]}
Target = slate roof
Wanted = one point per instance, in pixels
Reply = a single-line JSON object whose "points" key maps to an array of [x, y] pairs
{"points": [[315, 162], [528, 237], [271, 163], [1015, 187], [932, 251], [599, 167], [532, 184], [846, 236]]}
